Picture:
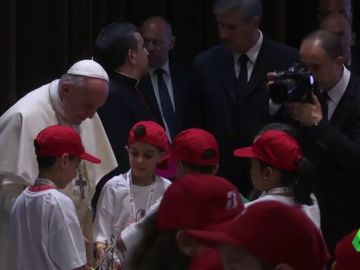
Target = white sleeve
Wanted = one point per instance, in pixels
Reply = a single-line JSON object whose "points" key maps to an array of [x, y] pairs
{"points": [[133, 233], [67, 243], [102, 230]]}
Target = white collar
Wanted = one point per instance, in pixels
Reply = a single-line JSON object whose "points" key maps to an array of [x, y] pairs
{"points": [[278, 191], [336, 93], [165, 68]]}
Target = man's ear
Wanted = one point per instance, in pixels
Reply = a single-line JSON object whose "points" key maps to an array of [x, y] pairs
{"points": [[131, 56], [283, 266], [267, 172], [172, 42], [340, 60], [64, 89], [256, 21], [64, 160], [187, 245], [353, 38]]}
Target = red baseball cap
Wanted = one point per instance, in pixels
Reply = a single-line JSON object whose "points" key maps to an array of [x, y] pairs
{"points": [[151, 133], [275, 233], [54, 141], [196, 146], [276, 148], [196, 201], [347, 252]]}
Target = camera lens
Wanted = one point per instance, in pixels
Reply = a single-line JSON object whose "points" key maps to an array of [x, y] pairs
{"points": [[280, 90]]}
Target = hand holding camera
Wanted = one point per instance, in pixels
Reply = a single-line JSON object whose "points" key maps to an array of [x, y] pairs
{"points": [[308, 114], [297, 90]]}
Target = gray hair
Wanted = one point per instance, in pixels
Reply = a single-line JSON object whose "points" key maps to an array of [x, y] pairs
{"points": [[249, 8]]}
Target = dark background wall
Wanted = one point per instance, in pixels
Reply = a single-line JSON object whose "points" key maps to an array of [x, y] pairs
{"points": [[40, 39]]}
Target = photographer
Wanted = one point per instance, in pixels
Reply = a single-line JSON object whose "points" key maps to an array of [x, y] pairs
{"points": [[331, 131]]}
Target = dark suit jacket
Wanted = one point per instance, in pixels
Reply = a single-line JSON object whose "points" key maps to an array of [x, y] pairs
{"points": [[355, 59], [123, 108], [180, 78], [234, 122], [338, 144]]}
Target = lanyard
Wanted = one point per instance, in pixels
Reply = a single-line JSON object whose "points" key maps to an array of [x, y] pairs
{"points": [[132, 199], [42, 184]]}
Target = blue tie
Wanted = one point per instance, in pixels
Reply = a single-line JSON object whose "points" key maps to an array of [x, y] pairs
{"points": [[166, 104]]}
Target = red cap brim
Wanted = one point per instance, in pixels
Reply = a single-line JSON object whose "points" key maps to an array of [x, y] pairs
{"points": [[245, 152], [90, 158]]}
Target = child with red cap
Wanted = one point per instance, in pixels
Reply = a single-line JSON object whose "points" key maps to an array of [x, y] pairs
{"points": [[195, 151], [127, 197], [193, 201], [197, 199], [45, 227], [268, 235], [280, 170], [347, 252]]}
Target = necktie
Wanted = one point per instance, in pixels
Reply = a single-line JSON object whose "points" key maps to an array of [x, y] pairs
{"points": [[166, 104], [325, 98], [243, 76]]}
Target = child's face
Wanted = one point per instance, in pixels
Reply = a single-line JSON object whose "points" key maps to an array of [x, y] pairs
{"points": [[143, 159], [257, 177], [238, 258]]}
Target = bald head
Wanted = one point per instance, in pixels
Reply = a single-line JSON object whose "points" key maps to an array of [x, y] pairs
{"points": [[159, 23], [338, 24], [159, 40], [327, 7]]}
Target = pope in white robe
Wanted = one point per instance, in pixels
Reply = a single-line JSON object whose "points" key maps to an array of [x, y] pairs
{"points": [[41, 108]]}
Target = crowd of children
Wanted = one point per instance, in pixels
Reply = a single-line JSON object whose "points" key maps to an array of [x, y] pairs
{"points": [[199, 221]]}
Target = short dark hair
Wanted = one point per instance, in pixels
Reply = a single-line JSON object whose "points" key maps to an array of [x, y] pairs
{"points": [[113, 44], [45, 162], [200, 168], [330, 42], [249, 8], [155, 243]]}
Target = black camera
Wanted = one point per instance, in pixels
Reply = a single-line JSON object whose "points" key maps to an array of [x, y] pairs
{"points": [[293, 85]]}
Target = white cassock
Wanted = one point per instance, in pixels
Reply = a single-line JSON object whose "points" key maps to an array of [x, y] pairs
{"points": [[18, 167]]}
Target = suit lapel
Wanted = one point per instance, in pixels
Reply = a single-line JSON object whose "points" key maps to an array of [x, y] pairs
{"points": [[258, 74], [147, 90], [344, 106], [176, 83], [227, 74]]}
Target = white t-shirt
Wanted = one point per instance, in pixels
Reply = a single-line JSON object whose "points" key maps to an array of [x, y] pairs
{"points": [[312, 211], [115, 211], [46, 231]]}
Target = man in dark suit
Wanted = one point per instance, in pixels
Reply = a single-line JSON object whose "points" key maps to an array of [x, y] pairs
{"points": [[333, 133], [168, 107], [120, 48], [230, 83]]}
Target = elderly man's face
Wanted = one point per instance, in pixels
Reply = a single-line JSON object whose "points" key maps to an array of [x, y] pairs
{"points": [[159, 42], [236, 31], [83, 99]]}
